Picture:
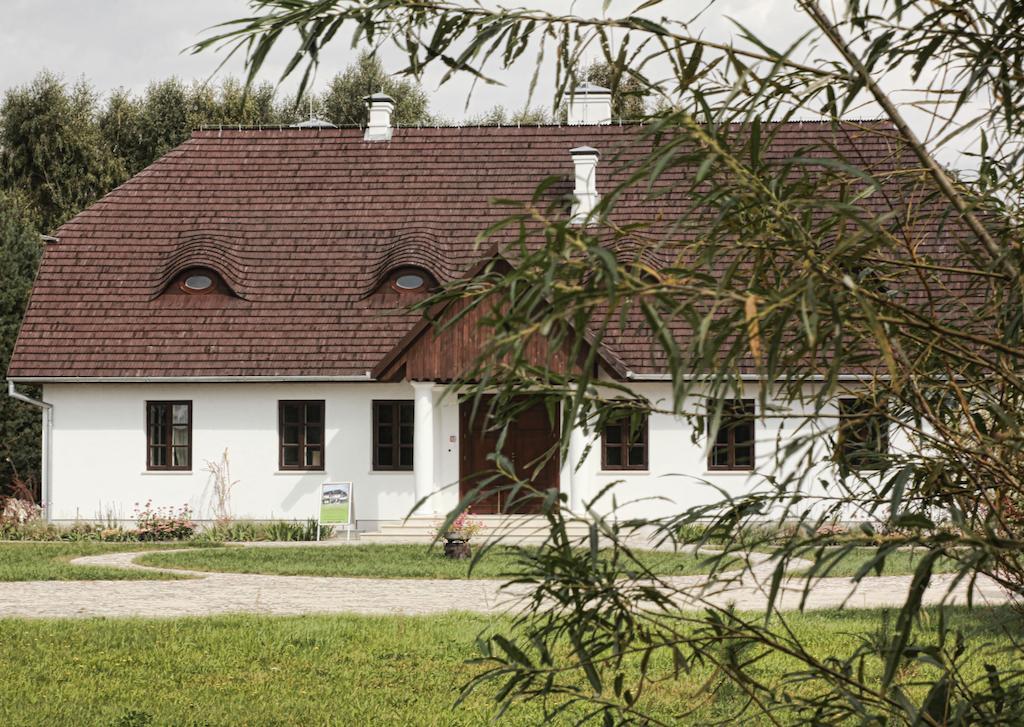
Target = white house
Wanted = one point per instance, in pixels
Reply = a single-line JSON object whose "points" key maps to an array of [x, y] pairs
{"points": [[250, 291]]}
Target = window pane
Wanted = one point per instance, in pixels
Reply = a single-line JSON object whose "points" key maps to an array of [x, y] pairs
{"points": [[290, 456], [722, 438], [157, 434], [407, 413], [405, 457], [744, 430], [613, 456], [290, 435], [291, 413], [384, 413], [863, 436], [157, 457], [314, 457], [180, 456], [314, 435], [613, 434], [180, 413], [157, 412], [179, 435], [636, 456], [315, 413], [385, 457], [720, 456], [744, 456], [405, 435], [385, 435]]}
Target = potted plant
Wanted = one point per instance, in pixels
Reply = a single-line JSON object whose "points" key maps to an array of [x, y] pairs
{"points": [[456, 536]]}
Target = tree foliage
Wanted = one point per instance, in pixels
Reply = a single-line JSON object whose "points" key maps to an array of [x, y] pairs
{"points": [[52, 150], [628, 93], [140, 129], [342, 103], [801, 275], [20, 249]]}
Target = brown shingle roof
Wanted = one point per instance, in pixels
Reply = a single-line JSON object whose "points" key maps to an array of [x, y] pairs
{"points": [[303, 224]]}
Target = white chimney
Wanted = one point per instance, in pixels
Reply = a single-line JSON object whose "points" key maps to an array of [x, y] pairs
{"points": [[585, 197], [380, 106], [590, 104]]}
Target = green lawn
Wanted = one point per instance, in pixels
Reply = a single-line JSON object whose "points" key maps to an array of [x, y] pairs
{"points": [[378, 561], [251, 670], [898, 562], [33, 561], [336, 513]]}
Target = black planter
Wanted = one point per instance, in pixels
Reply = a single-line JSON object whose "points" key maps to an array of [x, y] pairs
{"points": [[456, 549]]}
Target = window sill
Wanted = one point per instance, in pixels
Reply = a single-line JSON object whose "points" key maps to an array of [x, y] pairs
{"points": [[729, 473], [300, 472], [391, 472], [623, 473], [167, 473]]}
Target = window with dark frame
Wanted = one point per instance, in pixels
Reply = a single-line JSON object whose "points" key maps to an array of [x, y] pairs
{"points": [[733, 447], [624, 443], [168, 435], [393, 428], [301, 435], [863, 438]]}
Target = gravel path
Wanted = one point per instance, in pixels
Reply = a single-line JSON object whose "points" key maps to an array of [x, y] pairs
{"points": [[220, 593]]}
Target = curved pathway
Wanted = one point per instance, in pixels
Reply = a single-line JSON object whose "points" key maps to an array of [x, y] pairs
{"points": [[220, 593]]}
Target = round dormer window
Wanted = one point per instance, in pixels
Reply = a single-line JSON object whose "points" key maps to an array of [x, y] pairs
{"points": [[410, 281], [198, 283]]}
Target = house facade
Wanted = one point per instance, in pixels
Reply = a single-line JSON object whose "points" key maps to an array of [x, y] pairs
{"points": [[250, 292]]}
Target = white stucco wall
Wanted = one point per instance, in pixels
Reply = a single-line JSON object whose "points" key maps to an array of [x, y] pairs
{"points": [[678, 477], [99, 450], [99, 454]]}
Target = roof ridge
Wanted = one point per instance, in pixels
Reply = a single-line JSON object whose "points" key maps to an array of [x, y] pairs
{"points": [[616, 123]]}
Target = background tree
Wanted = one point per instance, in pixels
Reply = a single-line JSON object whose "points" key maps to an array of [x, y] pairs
{"points": [[801, 272], [500, 115], [52, 150], [141, 129], [342, 103], [628, 93], [20, 249]]}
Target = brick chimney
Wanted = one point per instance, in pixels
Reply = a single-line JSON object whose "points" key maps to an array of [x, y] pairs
{"points": [[380, 106], [590, 104]]}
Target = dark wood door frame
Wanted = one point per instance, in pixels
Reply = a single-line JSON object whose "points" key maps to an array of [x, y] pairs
{"points": [[528, 438]]}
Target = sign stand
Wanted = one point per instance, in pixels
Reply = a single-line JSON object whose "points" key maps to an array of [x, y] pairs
{"points": [[337, 507]]}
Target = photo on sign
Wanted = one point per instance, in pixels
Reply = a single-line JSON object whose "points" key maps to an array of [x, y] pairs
{"points": [[336, 503]]}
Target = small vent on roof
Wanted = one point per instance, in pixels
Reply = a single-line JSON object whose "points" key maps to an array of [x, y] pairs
{"points": [[314, 123]]}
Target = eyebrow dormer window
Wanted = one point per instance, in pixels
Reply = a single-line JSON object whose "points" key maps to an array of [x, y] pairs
{"points": [[197, 281], [410, 280]]}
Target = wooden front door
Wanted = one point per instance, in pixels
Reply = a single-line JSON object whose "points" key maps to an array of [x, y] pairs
{"points": [[530, 437]]}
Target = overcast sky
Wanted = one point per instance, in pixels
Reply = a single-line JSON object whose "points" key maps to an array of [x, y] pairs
{"points": [[128, 43]]}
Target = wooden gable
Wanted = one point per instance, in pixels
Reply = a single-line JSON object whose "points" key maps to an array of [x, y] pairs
{"points": [[445, 352]]}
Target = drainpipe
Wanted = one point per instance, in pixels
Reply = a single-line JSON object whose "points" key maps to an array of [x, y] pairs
{"points": [[45, 464]]}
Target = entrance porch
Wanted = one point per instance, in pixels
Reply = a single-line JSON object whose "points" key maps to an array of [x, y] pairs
{"points": [[530, 438]]}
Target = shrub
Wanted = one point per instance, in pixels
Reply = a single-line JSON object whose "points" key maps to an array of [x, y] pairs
{"points": [[280, 530], [164, 523]]}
